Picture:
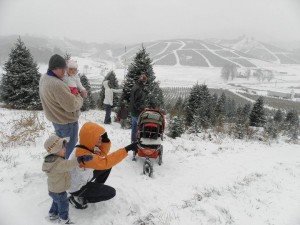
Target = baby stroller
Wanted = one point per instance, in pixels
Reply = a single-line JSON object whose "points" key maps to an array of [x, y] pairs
{"points": [[151, 125]]}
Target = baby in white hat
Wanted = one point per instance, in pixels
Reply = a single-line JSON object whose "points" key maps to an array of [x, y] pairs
{"points": [[73, 80]]}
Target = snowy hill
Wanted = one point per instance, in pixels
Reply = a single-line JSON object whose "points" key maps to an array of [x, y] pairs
{"points": [[261, 50], [222, 181], [213, 53]]}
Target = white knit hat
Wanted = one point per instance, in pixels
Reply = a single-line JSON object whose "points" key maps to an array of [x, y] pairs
{"points": [[72, 64], [54, 143]]}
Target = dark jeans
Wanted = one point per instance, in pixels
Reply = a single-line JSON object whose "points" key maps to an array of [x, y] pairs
{"points": [[68, 130], [107, 118], [60, 205], [96, 190], [134, 121]]}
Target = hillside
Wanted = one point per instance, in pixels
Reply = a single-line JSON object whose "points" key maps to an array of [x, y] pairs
{"points": [[201, 181], [213, 53], [261, 50]]}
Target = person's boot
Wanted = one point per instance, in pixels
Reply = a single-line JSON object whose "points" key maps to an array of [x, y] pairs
{"points": [[78, 202]]}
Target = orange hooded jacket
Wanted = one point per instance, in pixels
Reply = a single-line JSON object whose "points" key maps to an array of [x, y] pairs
{"points": [[88, 136]]}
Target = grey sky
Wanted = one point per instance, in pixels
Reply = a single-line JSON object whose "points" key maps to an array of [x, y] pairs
{"points": [[135, 21]]}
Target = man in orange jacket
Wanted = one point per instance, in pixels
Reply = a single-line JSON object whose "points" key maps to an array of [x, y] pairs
{"points": [[87, 184]]}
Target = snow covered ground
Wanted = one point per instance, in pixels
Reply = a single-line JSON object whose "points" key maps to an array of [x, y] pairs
{"points": [[222, 181]]}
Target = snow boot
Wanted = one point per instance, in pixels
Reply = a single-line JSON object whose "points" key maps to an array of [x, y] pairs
{"points": [[78, 202]]}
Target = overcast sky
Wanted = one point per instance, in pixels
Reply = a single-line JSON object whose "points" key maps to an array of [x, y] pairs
{"points": [[135, 21]]}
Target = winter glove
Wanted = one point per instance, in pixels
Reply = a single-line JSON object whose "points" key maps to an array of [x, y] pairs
{"points": [[132, 147], [84, 158], [105, 138]]}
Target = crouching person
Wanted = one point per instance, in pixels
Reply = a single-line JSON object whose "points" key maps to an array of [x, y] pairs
{"points": [[88, 180], [59, 176]]}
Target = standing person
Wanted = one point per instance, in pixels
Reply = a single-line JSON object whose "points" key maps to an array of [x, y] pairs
{"points": [[137, 103], [59, 176], [109, 100], [61, 107], [123, 114], [73, 80], [88, 180]]}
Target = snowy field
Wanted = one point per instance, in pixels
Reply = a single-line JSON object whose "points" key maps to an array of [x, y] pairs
{"points": [[222, 181]]}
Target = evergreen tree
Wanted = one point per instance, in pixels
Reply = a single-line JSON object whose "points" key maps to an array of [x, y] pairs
{"points": [[88, 102], [67, 56], [240, 124], [220, 110], [176, 127], [257, 115], [292, 124], [278, 117], [113, 81], [271, 129], [192, 104], [196, 123], [230, 110], [153, 93], [247, 110], [213, 106], [20, 84], [204, 106]]}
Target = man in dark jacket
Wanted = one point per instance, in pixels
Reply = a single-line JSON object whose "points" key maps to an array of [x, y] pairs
{"points": [[137, 103]]}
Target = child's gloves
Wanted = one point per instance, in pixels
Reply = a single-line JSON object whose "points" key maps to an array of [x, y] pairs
{"points": [[84, 158], [132, 147], [105, 138], [84, 94]]}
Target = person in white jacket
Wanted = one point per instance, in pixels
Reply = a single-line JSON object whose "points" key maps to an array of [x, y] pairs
{"points": [[109, 100], [73, 80]]}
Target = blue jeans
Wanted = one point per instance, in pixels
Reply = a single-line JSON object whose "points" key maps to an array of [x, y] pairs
{"points": [[68, 130], [60, 205], [134, 121], [107, 119]]}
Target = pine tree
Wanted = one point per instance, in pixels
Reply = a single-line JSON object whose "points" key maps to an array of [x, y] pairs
{"points": [[153, 93], [257, 115], [240, 124], [88, 102], [20, 84], [176, 127], [67, 56], [230, 110], [111, 76], [220, 110], [292, 124], [192, 104], [278, 117]]}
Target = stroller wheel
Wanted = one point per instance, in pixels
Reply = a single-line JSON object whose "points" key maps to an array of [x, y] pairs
{"points": [[160, 154], [148, 168]]}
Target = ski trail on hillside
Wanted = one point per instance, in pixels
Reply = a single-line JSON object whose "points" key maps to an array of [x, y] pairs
{"points": [[176, 55], [272, 53], [207, 61], [162, 51], [213, 52]]}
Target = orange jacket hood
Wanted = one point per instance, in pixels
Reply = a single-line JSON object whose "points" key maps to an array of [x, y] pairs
{"points": [[89, 134]]}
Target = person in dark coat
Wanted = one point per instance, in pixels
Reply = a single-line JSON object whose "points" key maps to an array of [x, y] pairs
{"points": [[137, 105]]}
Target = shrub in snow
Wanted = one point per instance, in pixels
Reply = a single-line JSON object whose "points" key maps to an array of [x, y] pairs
{"points": [[176, 127], [292, 124], [20, 84]]}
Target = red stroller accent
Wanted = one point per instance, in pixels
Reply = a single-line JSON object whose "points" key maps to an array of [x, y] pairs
{"points": [[151, 125]]}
